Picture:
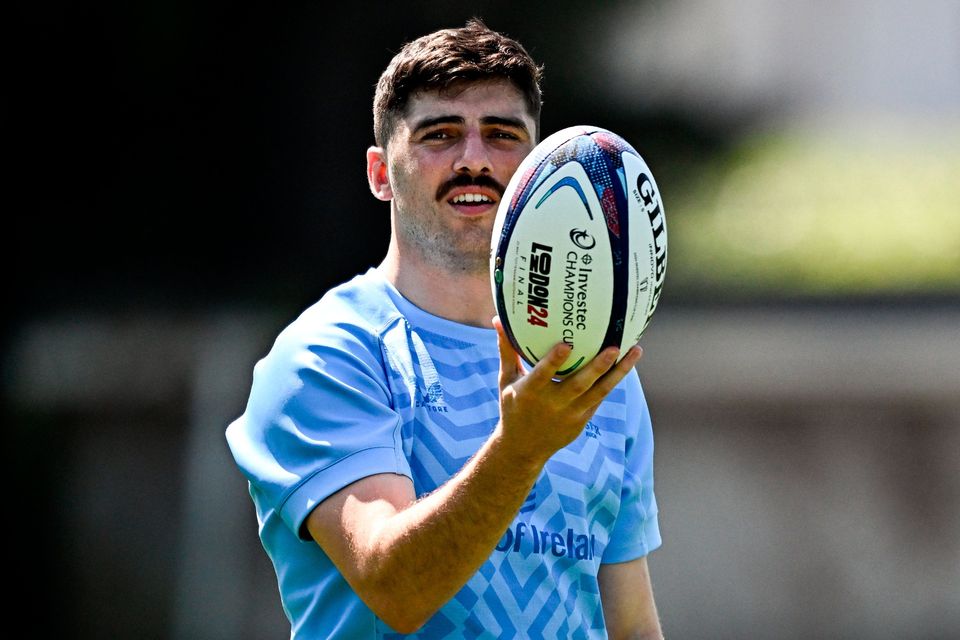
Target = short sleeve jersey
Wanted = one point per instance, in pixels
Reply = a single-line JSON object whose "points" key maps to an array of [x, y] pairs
{"points": [[363, 382]]}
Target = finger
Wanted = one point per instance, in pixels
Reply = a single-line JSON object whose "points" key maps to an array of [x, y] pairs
{"points": [[604, 384], [546, 369], [586, 376]]}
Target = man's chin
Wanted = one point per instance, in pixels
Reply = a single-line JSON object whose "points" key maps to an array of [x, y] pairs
{"points": [[468, 261]]}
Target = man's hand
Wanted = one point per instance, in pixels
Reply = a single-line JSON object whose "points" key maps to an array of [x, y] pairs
{"points": [[540, 414]]}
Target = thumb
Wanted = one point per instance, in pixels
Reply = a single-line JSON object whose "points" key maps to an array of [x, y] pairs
{"points": [[511, 367]]}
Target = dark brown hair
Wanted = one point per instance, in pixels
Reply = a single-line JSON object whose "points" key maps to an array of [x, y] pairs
{"points": [[444, 58]]}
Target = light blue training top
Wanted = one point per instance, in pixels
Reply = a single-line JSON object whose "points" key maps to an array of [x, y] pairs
{"points": [[364, 382]]}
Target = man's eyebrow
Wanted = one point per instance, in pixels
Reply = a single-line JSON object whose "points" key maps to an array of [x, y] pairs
{"points": [[426, 123], [515, 123]]}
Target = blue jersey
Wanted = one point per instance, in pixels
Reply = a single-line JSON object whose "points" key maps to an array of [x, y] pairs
{"points": [[364, 382]]}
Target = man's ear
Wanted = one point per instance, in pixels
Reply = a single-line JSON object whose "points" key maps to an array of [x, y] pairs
{"points": [[378, 178]]}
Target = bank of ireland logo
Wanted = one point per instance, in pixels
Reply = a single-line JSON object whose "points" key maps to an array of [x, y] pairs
{"points": [[582, 239]]}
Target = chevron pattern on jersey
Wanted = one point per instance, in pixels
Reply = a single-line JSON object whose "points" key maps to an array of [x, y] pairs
{"points": [[541, 579]]}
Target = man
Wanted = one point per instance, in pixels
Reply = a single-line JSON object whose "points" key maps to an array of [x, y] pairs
{"points": [[410, 475]]}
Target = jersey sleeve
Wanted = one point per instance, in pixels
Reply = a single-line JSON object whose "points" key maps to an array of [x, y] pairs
{"points": [[637, 529], [319, 417]]}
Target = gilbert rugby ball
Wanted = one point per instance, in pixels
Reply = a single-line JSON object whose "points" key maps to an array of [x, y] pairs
{"points": [[579, 247]]}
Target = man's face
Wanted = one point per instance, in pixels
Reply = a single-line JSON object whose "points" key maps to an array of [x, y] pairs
{"points": [[449, 161]]}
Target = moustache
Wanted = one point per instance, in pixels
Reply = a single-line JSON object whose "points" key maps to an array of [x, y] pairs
{"points": [[465, 180]]}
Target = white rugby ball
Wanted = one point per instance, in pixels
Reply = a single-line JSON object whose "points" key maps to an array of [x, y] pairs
{"points": [[579, 247]]}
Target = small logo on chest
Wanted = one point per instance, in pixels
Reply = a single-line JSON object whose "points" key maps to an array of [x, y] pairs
{"points": [[432, 400]]}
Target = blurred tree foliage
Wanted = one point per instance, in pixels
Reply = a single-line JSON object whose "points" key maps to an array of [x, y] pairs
{"points": [[794, 213]]}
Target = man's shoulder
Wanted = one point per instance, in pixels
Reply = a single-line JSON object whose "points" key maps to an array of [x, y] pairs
{"points": [[364, 302], [349, 317]]}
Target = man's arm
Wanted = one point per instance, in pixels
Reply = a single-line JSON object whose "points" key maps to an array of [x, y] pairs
{"points": [[627, 596], [405, 557]]}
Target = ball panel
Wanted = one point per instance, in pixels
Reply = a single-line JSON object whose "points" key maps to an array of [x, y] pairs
{"points": [[553, 151], [557, 257], [604, 164], [648, 245]]}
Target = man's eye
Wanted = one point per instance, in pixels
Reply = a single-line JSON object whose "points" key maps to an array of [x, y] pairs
{"points": [[436, 135], [505, 135]]}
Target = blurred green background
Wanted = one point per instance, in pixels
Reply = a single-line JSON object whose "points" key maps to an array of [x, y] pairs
{"points": [[868, 211]]}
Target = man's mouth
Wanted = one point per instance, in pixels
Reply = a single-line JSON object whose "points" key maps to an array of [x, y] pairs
{"points": [[471, 198], [470, 191]]}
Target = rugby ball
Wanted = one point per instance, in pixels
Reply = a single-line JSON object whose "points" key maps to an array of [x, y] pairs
{"points": [[579, 247]]}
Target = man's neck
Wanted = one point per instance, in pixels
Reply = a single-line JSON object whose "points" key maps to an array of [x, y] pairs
{"points": [[466, 298]]}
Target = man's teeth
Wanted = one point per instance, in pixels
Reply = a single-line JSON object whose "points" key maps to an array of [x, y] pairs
{"points": [[470, 197]]}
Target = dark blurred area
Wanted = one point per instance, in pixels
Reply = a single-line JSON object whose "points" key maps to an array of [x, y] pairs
{"points": [[178, 154], [187, 176]]}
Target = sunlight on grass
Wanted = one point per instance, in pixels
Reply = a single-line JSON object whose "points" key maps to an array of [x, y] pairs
{"points": [[795, 214]]}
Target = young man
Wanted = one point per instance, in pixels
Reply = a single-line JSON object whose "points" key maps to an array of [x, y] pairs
{"points": [[410, 475]]}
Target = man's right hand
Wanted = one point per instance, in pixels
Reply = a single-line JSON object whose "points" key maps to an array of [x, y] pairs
{"points": [[540, 414]]}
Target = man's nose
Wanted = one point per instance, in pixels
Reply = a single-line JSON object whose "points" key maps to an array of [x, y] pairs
{"points": [[474, 157]]}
